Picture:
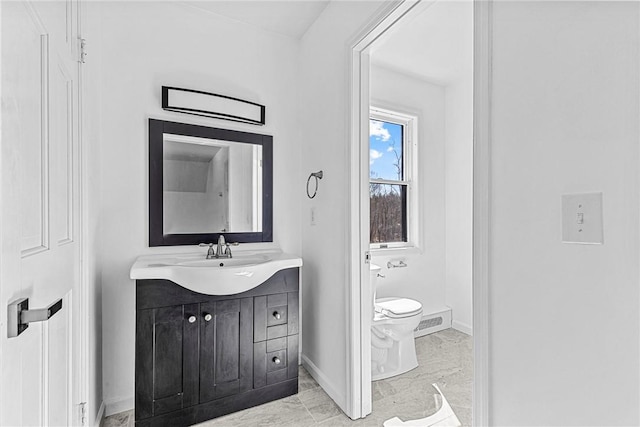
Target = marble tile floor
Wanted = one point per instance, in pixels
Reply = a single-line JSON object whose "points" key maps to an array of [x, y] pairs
{"points": [[445, 358]]}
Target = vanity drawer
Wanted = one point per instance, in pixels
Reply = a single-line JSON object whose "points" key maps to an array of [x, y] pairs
{"points": [[275, 361], [276, 310], [275, 316]]}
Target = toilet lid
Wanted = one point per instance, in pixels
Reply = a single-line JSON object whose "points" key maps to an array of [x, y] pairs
{"points": [[398, 307]]}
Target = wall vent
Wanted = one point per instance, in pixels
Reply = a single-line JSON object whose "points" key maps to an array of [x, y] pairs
{"points": [[433, 322], [429, 323]]}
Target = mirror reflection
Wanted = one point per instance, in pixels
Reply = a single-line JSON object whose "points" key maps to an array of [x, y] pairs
{"points": [[211, 186], [205, 182]]}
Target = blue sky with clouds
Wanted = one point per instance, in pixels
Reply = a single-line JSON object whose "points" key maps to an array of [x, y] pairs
{"points": [[384, 137]]}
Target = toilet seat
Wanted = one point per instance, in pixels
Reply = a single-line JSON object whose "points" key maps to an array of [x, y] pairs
{"points": [[396, 308]]}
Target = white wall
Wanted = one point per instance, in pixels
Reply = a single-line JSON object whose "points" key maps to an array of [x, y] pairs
{"points": [[325, 139], [564, 326], [424, 277], [459, 173], [144, 46]]}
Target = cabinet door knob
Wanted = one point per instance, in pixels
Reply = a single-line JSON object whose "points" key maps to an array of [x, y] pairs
{"points": [[276, 360], [192, 319], [207, 317], [277, 315]]}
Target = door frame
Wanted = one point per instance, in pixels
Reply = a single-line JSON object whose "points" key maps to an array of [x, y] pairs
{"points": [[359, 402], [86, 282]]}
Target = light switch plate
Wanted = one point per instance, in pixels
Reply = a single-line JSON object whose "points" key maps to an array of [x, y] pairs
{"points": [[582, 218]]}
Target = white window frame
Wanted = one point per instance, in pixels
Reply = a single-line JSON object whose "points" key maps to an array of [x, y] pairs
{"points": [[410, 169]]}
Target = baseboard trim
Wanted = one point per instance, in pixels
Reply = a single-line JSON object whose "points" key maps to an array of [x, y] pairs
{"points": [[462, 327], [324, 382], [115, 406], [99, 415]]}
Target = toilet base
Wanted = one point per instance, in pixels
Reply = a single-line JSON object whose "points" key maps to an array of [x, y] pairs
{"points": [[383, 376], [396, 360]]}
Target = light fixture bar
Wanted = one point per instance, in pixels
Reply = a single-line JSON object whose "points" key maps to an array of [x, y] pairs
{"points": [[212, 105]]}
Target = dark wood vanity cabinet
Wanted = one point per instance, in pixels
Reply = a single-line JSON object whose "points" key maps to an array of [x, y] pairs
{"points": [[202, 356]]}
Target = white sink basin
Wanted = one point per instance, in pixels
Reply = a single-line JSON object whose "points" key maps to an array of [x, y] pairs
{"points": [[222, 276]]}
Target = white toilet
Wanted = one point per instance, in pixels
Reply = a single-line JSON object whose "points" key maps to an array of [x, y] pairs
{"points": [[393, 348]]}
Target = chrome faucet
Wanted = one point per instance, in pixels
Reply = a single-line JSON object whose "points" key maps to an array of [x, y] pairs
{"points": [[220, 247], [223, 250]]}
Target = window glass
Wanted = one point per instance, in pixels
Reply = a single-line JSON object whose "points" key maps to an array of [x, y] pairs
{"points": [[388, 216], [385, 150], [388, 180]]}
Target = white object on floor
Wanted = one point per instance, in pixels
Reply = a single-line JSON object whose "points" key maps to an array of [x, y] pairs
{"points": [[393, 349], [445, 417]]}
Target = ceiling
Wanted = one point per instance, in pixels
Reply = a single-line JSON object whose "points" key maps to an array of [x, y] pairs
{"points": [[290, 18], [433, 43]]}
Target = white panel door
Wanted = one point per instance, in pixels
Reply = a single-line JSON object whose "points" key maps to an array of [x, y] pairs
{"points": [[40, 211]]}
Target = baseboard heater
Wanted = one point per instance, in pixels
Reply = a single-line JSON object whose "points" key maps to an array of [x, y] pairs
{"points": [[433, 322]]}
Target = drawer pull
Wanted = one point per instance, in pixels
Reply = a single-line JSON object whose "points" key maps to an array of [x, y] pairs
{"points": [[276, 360], [207, 317], [192, 319], [277, 315]]}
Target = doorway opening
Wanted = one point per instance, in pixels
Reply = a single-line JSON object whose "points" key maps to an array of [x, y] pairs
{"points": [[420, 213]]}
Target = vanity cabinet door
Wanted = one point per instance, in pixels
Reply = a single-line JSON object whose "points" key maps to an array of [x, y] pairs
{"points": [[166, 359], [226, 348]]}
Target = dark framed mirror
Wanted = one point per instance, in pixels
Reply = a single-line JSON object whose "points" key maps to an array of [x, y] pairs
{"points": [[206, 181]]}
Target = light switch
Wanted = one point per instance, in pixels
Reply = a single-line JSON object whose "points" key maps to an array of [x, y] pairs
{"points": [[582, 218], [313, 215]]}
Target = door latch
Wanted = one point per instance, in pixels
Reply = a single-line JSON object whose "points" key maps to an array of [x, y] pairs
{"points": [[19, 316]]}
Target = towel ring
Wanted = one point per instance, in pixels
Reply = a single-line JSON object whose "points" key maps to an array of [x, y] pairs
{"points": [[317, 175]]}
